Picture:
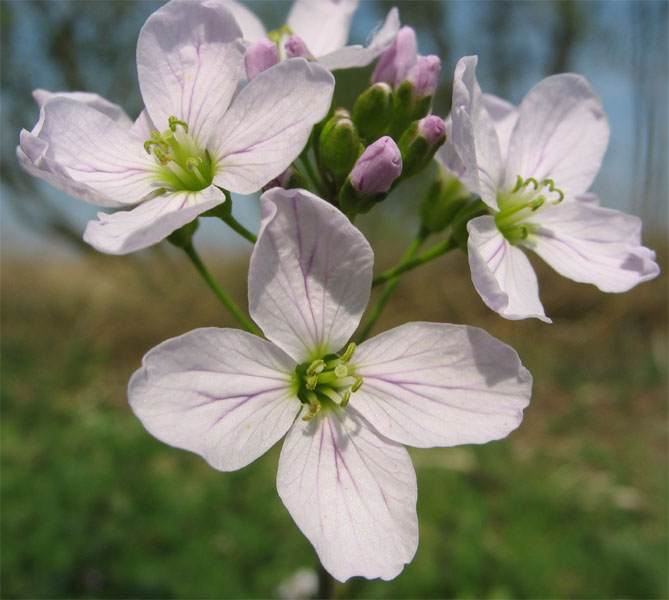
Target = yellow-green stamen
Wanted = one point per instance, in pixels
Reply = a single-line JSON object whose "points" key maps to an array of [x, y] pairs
{"points": [[182, 165], [524, 199], [327, 382]]}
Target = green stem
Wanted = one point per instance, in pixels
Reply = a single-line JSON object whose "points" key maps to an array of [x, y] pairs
{"points": [[245, 322], [406, 265], [239, 228], [308, 167], [391, 285]]}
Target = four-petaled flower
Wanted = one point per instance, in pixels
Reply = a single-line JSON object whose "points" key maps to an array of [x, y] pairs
{"points": [[532, 166], [199, 132], [344, 474], [318, 30]]}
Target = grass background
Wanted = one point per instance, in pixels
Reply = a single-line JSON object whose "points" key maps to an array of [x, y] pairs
{"points": [[571, 505]]}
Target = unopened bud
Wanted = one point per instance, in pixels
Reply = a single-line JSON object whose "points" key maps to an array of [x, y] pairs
{"points": [[373, 110], [339, 144], [290, 179], [419, 142], [377, 168], [424, 79], [394, 63], [296, 48], [260, 56], [372, 176]]}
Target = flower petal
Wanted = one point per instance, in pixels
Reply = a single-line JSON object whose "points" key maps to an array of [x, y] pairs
{"points": [[474, 136], [251, 26], [310, 274], [269, 123], [592, 244], [561, 134], [504, 115], [113, 111], [322, 24], [351, 493], [190, 63], [150, 222], [221, 393], [501, 273], [360, 56], [434, 384], [83, 152]]}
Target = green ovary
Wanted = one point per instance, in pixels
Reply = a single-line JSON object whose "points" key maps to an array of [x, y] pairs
{"points": [[327, 382], [181, 164]]}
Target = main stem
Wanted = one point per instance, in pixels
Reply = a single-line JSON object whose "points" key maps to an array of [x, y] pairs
{"points": [[326, 584], [235, 225], [391, 285], [234, 310], [407, 264]]}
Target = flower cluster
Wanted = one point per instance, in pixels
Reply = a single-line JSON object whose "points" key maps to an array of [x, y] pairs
{"points": [[230, 107]]}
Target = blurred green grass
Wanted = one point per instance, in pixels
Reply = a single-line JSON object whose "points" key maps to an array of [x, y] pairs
{"points": [[571, 505]]}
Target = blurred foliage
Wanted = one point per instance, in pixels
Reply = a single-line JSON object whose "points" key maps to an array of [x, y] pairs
{"points": [[571, 505]]}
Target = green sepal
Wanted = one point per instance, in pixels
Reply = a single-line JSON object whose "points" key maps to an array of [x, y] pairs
{"points": [[297, 180], [416, 151], [223, 210], [373, 111], [444, 198], [340, 145], [352, 203], [469, 211], [182, 237]]}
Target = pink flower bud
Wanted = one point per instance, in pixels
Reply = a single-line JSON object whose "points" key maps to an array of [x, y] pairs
{"points": [[394, 63], [377, 168], [296, 48], [260, 56], [424, 76], [432, 128]]}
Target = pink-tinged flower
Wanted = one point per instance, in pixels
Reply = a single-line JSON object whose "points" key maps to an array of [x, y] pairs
{"points": [[532, 166], [344, 475], [319, 29], [377, 168], [199, 131], [402, 62]]}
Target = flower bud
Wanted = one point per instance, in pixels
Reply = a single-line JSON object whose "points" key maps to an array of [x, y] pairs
{"points": [[339, 144], [424, 79], [260, 56], [372, 177], [377, 168], [420, 141], [373, 110], [290, 178], [394, 63], [296, 48]]}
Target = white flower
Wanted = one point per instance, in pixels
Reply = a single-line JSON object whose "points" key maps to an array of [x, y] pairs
{"points": [[198, 132], [344, 475], [323, 26], [532, 166]]}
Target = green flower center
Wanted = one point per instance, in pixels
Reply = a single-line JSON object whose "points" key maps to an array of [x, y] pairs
{"points": [[526, 198], [182, 165], [327, 381]]}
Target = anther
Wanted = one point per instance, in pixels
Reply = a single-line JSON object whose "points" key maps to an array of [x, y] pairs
{"points": [[312, 382], [537, 203], [173, 122], [316, 367], [162, 157], [533, 181], [356, 386], [348, 353], [345, 398], [315, 406]]}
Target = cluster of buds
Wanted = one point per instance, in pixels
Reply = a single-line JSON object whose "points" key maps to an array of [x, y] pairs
{"points": [[390, 135]]}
